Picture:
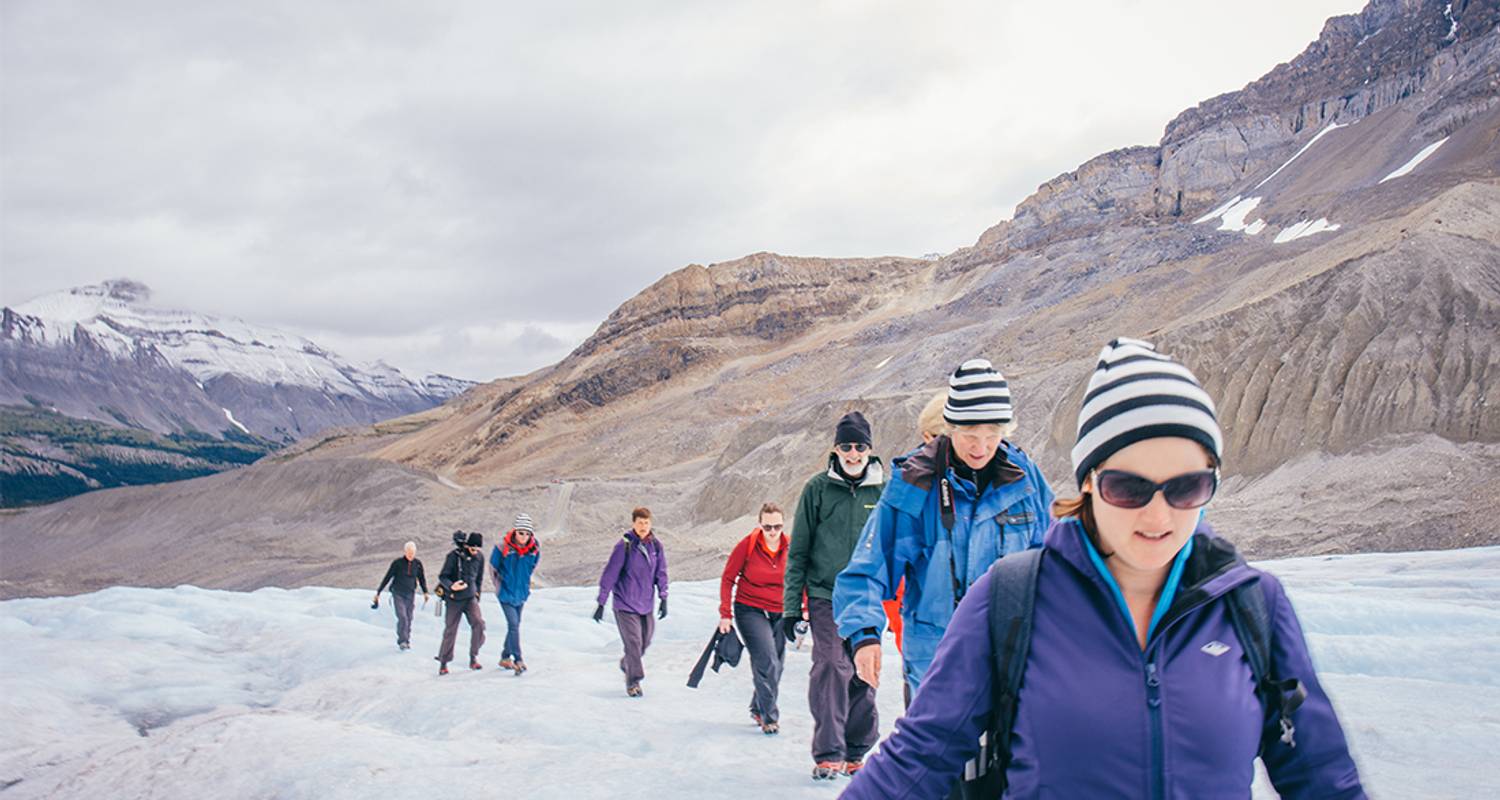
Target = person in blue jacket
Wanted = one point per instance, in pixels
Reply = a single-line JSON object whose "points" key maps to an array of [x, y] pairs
{"points": [[951, 509], [1136, 683], [511, 564]]}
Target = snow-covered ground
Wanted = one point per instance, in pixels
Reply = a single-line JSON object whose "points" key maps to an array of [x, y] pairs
{"points": [[187, 693]]}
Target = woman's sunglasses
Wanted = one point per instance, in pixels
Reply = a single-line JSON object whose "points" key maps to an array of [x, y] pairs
{"points": [[847, 447], [1129, 490]]}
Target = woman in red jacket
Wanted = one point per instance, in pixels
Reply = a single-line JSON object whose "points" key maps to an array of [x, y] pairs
{"points": [[752, 588]]}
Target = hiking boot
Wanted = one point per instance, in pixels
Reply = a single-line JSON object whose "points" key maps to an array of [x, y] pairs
{"points": [[442, 669], [519, 666], [755, 717], [475, 665], [851, 767], [827, 770], [634, 691], [770, 728], [506, 663]]}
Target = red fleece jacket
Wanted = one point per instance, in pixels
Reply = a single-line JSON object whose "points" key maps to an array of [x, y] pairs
{"points": [[758, 573]]}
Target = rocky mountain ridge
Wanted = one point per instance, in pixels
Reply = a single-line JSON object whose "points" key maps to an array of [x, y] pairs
{"points": [[104, 353], [1343, 312]]}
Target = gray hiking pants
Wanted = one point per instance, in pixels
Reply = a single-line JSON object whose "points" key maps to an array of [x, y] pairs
{"points": [[403, 605], [761, 631], [635, 634], [455, 611], [845, 723]]}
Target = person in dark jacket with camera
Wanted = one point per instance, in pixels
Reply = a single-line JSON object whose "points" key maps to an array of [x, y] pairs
{"points": [[461, 581], [404, 576]]}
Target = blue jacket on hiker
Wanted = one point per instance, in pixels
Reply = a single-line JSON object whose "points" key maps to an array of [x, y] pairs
{"points": [[513, 566], [1097, 716], [905, 537]]}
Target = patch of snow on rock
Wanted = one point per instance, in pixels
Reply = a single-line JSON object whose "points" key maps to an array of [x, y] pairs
{"points": [[1405, 169], [1306, 227]]}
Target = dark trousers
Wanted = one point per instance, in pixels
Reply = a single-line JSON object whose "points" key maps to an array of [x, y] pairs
{"points": [[456, 610], [635, 634], [845, 722], [761, 632], [403, 603], [512, 648]]}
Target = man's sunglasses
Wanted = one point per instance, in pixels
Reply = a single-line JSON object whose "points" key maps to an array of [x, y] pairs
{"points": [[1129, 490], [847, 447]]}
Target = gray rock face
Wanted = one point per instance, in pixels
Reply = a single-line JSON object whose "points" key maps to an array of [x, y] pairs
{"points": [[1354, 368], [1361, 65]]}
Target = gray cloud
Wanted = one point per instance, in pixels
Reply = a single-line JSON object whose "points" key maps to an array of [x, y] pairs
{"points": [[472, 189]]}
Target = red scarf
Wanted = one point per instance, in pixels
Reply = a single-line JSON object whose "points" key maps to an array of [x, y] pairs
{"points": [[510, 545]]}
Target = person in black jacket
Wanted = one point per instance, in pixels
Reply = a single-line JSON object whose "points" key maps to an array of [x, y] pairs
{"points": [[404, 576], [462, 580]]}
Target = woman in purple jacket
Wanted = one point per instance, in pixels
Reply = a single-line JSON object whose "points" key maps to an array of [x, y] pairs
{"points": [[1135, 684]]}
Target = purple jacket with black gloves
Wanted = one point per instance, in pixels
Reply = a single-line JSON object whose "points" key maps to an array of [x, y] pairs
{"points": [[1089, 722], [635, 568]]}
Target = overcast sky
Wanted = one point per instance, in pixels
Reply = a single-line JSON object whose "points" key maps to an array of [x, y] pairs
{"points": [[471, 188]]}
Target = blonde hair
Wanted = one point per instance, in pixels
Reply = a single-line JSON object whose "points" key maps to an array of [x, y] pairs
{"points": [[930, 422]]}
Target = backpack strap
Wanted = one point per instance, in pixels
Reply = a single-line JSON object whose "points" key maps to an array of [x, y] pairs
{"points": [[1012, 607], [1252, 624]]}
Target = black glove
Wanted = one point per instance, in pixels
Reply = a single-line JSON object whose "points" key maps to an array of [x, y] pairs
{"points": [[661, 613], [599, 613], [789, 628], [375, 604]]}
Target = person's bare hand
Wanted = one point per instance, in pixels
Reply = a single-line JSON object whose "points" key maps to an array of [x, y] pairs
{"points": [[867, 665], [725, 623], [459, 586]]}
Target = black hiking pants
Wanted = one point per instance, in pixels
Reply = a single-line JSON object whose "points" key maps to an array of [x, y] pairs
{"points": [[845, 722], [761, 631], [456, 611]]}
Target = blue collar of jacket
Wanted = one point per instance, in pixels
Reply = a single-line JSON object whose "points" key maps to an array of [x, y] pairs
{"points": [[1168, 590], [912, 482], [1205, 569]]}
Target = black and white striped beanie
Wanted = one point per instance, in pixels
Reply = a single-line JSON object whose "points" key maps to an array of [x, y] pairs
{"points": [[523, 523], [1137, 393], [977, 395]]}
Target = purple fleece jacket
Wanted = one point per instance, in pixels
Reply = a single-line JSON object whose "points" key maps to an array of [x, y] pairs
{"points": [[635, 568], [1090, 721]]}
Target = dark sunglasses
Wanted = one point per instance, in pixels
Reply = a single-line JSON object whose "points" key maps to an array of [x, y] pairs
{"points": [[1129, 490], [772, 527], [847, 447]]}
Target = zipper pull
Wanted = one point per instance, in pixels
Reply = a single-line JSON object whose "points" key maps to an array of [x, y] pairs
{"points": [[1152, 679]]}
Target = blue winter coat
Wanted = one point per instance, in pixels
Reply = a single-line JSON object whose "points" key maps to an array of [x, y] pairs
{"points": [[905, 536], [1090, 722], [513, 570]]}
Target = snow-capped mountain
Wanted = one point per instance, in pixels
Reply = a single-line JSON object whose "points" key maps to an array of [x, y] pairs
{"points": [[85, 351]]}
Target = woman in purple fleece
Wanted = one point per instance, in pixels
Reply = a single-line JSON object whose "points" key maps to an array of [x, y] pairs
{"points": [[1135, 685]]}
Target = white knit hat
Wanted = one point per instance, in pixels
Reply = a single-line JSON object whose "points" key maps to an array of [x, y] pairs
{"points": [[1135, 394], [977, 395]]}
